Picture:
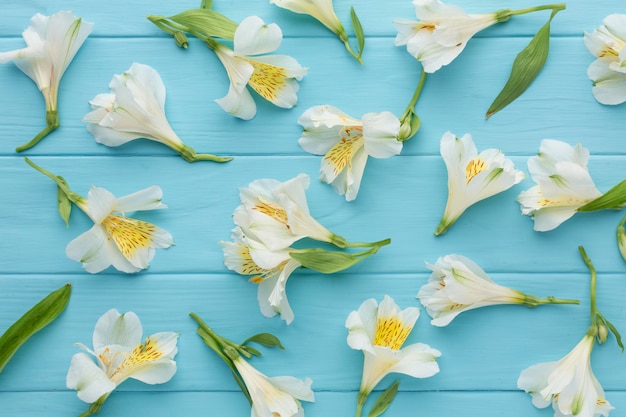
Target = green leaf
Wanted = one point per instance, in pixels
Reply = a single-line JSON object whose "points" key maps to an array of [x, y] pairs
{"points": [[65, 204], [35, 319], [206, 22], [328, 262], [358, 31], [618, 337], [249, 351], [615, 198], [621, 238], [526, 67], [265, 339], [384, 400], [206, 4]]}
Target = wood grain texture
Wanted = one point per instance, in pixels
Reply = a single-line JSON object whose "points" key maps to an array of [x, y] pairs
{"points": [[401, 198]]}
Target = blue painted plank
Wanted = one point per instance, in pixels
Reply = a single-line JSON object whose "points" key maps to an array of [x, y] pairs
{"points": [[122, 19], [455, 98], [402, 198]]}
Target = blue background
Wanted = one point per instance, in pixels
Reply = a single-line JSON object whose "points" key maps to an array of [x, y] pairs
{"points": [[401, 198]]}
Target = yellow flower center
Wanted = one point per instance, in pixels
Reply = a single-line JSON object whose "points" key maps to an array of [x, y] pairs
{"points": [[473, 168], [267, 80], [139, 356], [391, 333], [267, 273], [128, 234], [272, 210], [340, 156]]}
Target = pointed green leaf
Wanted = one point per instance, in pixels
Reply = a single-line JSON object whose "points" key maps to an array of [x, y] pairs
{"points": [[206, 4], [615, 198], [328, 262], [265, 339], [206, 22], [618, 337], [35, 319], [65, 204], [526, 67], [384, 400], [358, 31]]}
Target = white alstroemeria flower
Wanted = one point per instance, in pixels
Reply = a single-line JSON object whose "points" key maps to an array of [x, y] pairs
{"points": [[322, 10], [456, 285], [277, 214], [273, 77], [380, 331], [441, 33], [346, 143], [563, 184], [52, 42], [120, 354], [127, 244], [472, 177], [608, 71], [135, 108], [275, 396], [243, 256], [569, 384]]}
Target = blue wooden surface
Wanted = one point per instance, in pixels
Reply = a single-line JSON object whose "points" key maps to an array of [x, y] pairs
{"points": [[402, 198]]}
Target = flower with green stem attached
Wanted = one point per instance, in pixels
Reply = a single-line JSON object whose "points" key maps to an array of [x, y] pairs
{"points": [[126, 243], [135, 108], [457, 284], [472, 176], [273, 77], [564, 184], [380, 331], [322, 11], [52, 42], [268, 396], [570, 384], [443, 30], [270, 269], [346, 142], [120, 355]]}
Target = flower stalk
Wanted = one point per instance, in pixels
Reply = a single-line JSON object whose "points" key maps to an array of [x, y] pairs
{"points": [[52, 123], [410, 121], [599, 323]]}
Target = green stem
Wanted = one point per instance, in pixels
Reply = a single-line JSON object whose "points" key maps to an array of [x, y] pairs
{"points": [[94, 408], [52, 123], [190, 155], [351, 52], [554, 7], [73, 197], [418, 90], [532, 301], [592, 291], [360, 401], [409, 121], [378, 244]]}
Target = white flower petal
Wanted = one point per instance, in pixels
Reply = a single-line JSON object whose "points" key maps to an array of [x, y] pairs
{"points": [[380, 134], [111, 137], [295, 387], [90, 381], [156, 372], [101, 203], [238, 103], [114, 328], [96, 252], [146, 199], [361, 325], [253, 37]]}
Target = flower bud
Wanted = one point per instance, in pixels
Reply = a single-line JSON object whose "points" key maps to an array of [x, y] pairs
{"points": [[181, 40], [603, 333]]}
